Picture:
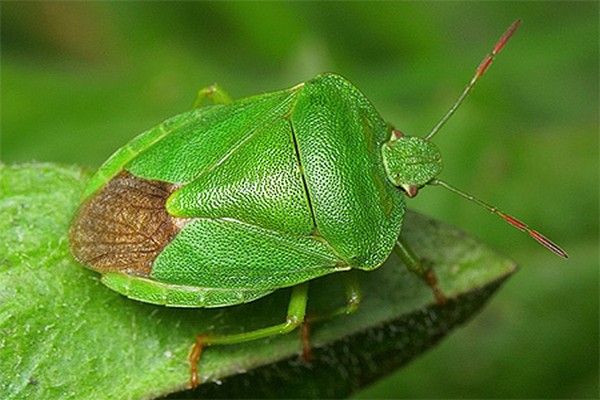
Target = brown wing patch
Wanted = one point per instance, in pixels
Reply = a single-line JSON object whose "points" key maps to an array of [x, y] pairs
{"points": [[124, 226]]}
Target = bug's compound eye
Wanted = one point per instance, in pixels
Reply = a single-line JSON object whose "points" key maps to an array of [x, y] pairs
{"points": [[411, 190], [410, 162]]}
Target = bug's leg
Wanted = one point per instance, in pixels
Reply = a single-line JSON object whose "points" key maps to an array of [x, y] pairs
{"points": [[214, 93], [295, 316], [353, 296], [415, 265], [306, 355]]}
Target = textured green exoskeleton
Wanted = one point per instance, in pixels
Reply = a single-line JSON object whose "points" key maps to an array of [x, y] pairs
{"points": [[229, 202], [263, 193]]}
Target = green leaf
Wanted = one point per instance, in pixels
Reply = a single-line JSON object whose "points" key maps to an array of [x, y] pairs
{"points": [[64, 335]]}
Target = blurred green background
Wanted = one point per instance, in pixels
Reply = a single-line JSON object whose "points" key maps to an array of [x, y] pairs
{"points": [[79, 79]]}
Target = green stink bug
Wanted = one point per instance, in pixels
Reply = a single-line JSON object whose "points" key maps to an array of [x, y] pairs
{"points": [[229, 202]]}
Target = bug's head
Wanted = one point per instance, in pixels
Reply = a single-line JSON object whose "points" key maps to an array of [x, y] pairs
{"points": [[410, 162]]}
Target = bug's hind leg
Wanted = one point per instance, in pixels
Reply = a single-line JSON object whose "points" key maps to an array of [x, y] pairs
{"points": [[416, 266], [296, 313]]}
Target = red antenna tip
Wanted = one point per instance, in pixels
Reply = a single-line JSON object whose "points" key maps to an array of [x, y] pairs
{"points": [[547, 243], [511, 29], [487, 61], [499, 45], [543, 240]]}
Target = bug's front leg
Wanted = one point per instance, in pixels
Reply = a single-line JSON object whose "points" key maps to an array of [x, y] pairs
{"points": [[295, 317], [415, 265]]}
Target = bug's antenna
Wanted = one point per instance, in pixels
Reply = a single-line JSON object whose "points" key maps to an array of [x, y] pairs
{"points": [[487, 61], [543, 240]]}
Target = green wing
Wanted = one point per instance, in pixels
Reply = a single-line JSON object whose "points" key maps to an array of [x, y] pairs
{"points": [[207, 137], [228, 254]]}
